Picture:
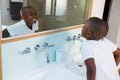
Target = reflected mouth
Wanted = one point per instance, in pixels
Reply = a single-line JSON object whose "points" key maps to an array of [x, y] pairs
{"points": [[34, 20]]}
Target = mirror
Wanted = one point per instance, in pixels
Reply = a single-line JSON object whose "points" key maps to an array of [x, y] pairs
{"points": [[52, 14]]}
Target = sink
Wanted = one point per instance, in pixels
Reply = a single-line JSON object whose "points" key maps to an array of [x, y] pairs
{"points": [[54, 71], [64, 74]]}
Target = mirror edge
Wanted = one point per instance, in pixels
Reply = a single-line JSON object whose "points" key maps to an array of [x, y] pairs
{"points": [[0, 21], [90, 9], [0, 44]]}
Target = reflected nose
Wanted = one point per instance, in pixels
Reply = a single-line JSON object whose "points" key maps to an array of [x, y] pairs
{"points": [[35, 16]]}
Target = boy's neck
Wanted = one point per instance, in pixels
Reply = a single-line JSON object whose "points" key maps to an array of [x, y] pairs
{"points": [[29, 25]]}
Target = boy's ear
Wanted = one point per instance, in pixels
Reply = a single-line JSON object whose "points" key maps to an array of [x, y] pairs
{"points": [[89, 34]]}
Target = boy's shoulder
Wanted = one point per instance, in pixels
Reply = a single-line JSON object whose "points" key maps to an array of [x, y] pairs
{"points": [[93, 43]]}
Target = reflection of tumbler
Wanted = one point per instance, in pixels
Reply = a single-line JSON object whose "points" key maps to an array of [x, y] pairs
{"points": [[59, 56]]}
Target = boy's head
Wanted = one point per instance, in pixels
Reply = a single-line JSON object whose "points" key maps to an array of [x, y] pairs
{"points": [[28, 13], [95, 29]]}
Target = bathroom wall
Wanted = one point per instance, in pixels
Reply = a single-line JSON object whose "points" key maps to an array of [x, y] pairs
{"points": [[98, 8], [114, 22], [16, 64]]}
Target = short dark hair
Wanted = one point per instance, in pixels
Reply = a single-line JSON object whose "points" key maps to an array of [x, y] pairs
{"points": [[98, 26], [23, 9]]}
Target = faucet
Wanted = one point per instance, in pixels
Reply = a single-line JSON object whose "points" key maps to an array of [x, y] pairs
{"points": [[43, 49], [47, 55], [37, 48], [25, 51], [75, 37], [46, 45]]}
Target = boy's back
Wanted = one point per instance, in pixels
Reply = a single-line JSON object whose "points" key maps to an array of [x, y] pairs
{"points": [[102, 52], [100, 55]]}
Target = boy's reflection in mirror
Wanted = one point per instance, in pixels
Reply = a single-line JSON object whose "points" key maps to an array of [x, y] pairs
{"points": [[28, 24]]}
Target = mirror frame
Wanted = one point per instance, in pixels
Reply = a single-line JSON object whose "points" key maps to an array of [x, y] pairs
{"points": [[0, 44], [0, 21]]}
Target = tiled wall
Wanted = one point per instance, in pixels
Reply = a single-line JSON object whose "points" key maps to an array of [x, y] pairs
{"points": [[16, 64]]}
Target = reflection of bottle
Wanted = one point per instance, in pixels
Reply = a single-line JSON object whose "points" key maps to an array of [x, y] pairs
{"points": [[74, 6], [59, 56]]}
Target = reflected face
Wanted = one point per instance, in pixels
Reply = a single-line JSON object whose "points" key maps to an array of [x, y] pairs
{"points": [[30, 16]]}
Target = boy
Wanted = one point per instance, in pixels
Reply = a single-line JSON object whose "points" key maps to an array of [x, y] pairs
{"points": [[27, 25], [100, 55]]}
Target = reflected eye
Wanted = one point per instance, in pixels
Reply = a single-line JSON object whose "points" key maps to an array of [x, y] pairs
{"points": [[31, 14]]}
